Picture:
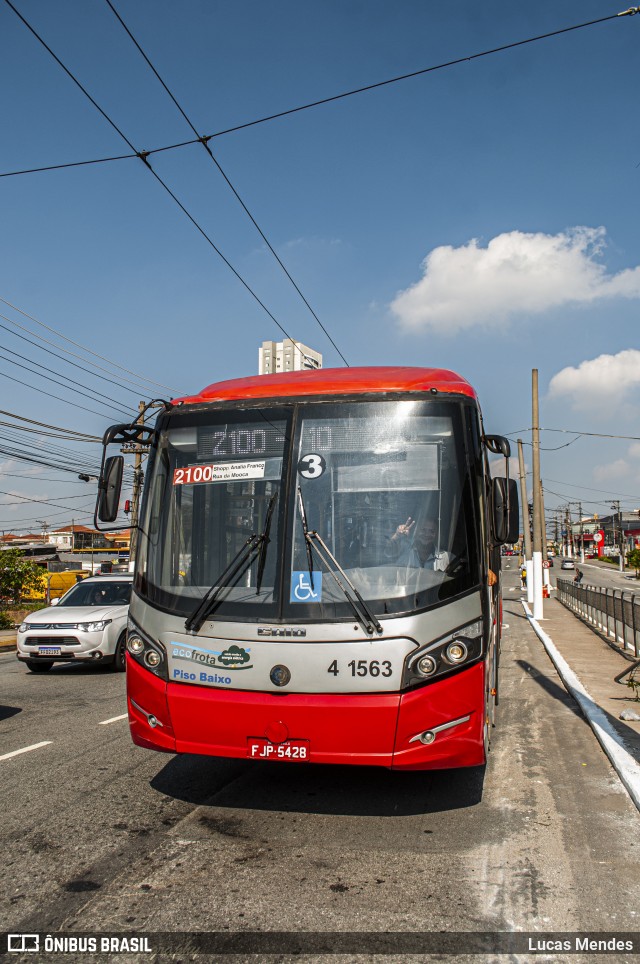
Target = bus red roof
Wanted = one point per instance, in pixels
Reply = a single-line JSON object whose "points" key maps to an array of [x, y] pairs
{"points": [[333, 381]]}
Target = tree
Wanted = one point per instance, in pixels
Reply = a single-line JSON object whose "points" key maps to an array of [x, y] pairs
{"points": [[633, 558], [17, 576]]}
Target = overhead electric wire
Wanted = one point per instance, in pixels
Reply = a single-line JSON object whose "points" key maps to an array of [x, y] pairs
{"points": [[41, 391], [81, 459], [38, 478], [18, 455], [119, 407], [631, 11], [81, 462], [203, 141], [23, 499], [65, 360], [42, 501], [143, 157], [41, 434], [590, 488], [70, 431], [555, 448], [26, 520], [575, 431], [141, 378]]}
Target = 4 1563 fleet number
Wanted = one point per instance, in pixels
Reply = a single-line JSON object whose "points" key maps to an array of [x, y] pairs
{"points": [[364, 667]]}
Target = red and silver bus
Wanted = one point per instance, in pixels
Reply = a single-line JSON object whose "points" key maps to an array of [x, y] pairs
{"points": [[315, 566]]}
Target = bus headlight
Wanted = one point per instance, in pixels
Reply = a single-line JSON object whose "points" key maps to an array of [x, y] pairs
{"points": [[456, 652], [444, 656], [135, 645], [426, 666], [147, 652]]}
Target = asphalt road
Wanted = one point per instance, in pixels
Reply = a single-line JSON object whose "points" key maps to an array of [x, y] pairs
{"points": [[600, 575], [100, 836]]}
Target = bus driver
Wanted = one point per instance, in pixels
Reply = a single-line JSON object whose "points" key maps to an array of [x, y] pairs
{"points": [[422, 551]]}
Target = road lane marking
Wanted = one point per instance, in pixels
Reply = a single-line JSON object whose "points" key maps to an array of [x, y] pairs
{"points": [[26, 749], [114, 719]]}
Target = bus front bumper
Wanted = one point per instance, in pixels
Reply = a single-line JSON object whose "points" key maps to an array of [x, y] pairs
{"points": [[434, 727]]}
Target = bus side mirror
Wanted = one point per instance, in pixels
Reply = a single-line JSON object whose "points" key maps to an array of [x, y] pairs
{"points": [[109, 489], [506, 511]]}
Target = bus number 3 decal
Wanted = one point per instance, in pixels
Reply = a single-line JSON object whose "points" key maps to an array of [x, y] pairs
{"points": [[364, 667]]}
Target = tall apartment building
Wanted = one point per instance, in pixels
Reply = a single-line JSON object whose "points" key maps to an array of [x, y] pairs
{"points": [[286, 356]]}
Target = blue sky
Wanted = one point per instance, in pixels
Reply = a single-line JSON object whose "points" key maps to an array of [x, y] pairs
{"points": [[481, 217]]}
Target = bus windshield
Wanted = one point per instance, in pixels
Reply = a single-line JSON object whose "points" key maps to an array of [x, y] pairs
{"points": [[390, 487]]}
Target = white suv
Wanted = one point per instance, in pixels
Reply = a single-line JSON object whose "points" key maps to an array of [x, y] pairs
{"points": [[89, 624]]}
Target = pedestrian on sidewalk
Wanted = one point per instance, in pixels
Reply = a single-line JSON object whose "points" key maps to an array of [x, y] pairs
{"points": [[578, 577], [523, 576]]}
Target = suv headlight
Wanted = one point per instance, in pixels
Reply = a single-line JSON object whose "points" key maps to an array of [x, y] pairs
{"points": [[96, 627], [444, 656], [24, 627]]}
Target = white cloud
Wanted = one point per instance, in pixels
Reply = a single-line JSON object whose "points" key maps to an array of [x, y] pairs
{"points": [[516, 273], [634, 450], [602, 382], [611, 471]]}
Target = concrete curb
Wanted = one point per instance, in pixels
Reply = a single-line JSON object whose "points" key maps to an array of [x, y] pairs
{"points": [[623, 763], [8, 647]]}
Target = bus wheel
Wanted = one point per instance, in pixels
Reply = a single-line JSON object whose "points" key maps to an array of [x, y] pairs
{"points": [[119, 659], [39, 665]]}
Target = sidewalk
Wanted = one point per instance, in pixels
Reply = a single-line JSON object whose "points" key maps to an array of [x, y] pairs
{"points": [[7, 640], [588, 665]]}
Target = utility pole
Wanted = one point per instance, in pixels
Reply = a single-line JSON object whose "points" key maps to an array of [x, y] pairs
{"points": [[526, 532], [138, 476], [620, 538], [569, 527], [543, 536], [537, 524], [581, 533]]}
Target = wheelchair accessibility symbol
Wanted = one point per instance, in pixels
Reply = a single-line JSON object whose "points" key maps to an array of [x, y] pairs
{"points": [[301, 589]]}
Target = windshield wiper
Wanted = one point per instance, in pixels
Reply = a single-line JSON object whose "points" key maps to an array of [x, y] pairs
{"points": [[256, 543], [262, 558], [362, 612]]}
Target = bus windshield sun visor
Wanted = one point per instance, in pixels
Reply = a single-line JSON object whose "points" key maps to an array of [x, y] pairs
{"points": [[255, 546], [362, 612]]}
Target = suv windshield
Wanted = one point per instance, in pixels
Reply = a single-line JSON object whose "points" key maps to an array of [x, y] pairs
{"points": [[389, 486], [88, 593]]}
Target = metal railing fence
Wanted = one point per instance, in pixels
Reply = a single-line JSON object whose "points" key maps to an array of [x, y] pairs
{"points": [[615, 612]]}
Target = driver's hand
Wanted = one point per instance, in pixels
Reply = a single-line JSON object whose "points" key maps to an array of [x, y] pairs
{"points": [[404, 530]]}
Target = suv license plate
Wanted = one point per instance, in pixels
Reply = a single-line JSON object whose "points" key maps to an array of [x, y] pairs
{"points": [[49, 651], [294, 751]]}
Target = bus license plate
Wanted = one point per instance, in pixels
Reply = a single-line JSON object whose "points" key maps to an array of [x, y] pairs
{"points": [[49, 650], [295, 751]]}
